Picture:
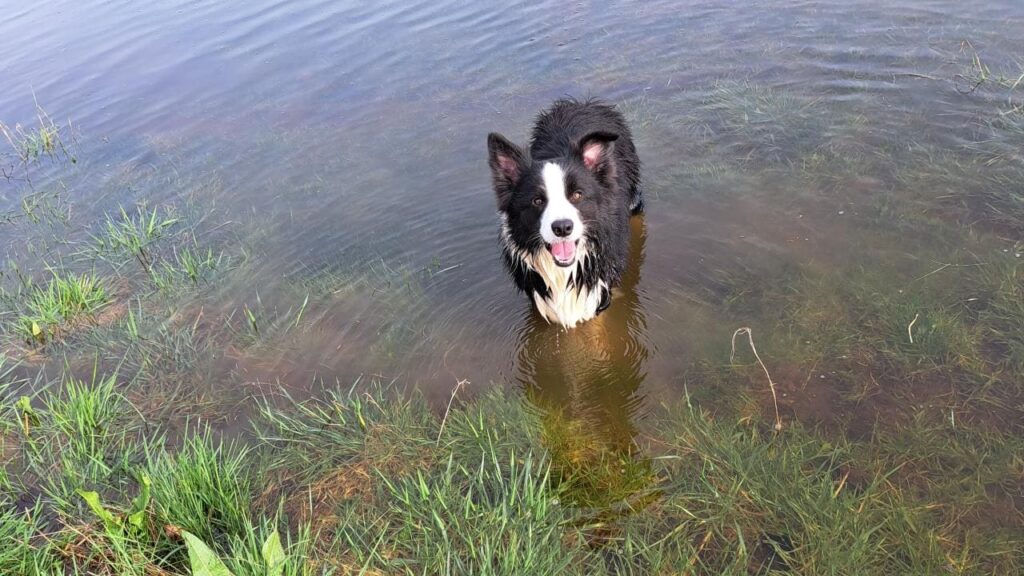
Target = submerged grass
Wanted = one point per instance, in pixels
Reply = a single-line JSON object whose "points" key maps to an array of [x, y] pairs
{"points": [[164, 243], [31, 143], [861, 349], [134, 234], [760, 123], [189, 263]]}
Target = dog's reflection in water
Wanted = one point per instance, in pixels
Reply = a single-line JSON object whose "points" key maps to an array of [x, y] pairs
{"points": [[586, 384]]}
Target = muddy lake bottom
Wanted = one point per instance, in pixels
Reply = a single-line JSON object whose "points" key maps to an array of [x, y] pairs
{"points": [[264, 320]]}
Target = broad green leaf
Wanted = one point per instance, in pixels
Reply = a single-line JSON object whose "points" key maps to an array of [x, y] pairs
{"points": [[110, 522], [203, 561], [273, 554], [138, 512]]}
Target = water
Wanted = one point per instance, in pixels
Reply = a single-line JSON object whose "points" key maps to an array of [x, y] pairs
{"points": [[336, 151]]}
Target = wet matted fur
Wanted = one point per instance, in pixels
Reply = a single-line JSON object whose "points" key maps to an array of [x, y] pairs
{"points": [[565, 205]]}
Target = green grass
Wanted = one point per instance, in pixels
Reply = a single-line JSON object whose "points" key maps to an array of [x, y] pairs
{"points": [[32, 143], [163, 245], [46, 312], [17, 529], [204, 486], [86, 441], [363, 482], [134, 234], [194, 264], [85, 438], [188, 263], [255, 323]]}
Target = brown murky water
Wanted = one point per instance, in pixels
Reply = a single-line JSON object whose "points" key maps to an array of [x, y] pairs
{"points": [[337, 151]]}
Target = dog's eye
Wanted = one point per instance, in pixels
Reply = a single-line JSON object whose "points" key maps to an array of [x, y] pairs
{"points": [[538, 200], [576, 196]]}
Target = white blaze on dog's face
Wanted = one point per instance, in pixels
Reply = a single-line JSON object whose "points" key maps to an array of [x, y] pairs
{"points": [[560, 223]]}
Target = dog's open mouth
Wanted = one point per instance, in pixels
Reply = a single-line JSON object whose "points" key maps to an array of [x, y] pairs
{"points": [[564, 252]]}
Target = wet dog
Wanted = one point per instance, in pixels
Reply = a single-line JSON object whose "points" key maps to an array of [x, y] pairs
{"points": [[565, 204]]}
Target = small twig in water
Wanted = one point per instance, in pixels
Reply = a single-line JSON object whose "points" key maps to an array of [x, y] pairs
{"points": [[732, 356], [936, 271], [810, 373], [911, 325], [914, 75], [444, 420]]}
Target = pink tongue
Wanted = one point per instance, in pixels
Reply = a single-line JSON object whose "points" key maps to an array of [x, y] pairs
{"points": [[563, 251]]}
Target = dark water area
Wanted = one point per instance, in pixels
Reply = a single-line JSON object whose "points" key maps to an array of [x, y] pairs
{"points": [[336, 151]]}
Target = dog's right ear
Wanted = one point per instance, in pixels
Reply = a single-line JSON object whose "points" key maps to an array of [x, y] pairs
{"points": [[507, 162]]}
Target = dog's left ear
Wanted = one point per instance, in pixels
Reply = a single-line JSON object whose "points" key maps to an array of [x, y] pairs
{"points": [[596, 149], [507, 162]]}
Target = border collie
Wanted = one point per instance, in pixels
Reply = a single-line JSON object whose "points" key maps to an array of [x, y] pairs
{"points": [[565, 205]]}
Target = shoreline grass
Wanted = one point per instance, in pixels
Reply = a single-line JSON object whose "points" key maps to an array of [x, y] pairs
{"points": [[356, 482], [50, 311]]}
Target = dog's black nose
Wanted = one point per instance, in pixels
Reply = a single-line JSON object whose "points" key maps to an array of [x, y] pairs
{"points": [[562, 228]]}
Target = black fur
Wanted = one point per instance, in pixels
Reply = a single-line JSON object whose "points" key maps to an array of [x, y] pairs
{"points": [[566, 134]]}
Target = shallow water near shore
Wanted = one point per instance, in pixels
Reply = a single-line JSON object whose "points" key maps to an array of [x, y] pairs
{"points": [[844, 178]]}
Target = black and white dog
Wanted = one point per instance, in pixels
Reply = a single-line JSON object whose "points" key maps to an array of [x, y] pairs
{"points": [[565, 205]]}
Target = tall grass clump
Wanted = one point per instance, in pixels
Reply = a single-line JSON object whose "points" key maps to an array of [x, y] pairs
{"points": [[187, 263], [500, 515], [204, 487], [30, 143], [84, 438], [50, 309], [194, 264], [344, 428], [134, 234]]}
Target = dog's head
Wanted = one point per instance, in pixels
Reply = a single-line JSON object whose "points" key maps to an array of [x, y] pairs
{"points": [[547, 204]]}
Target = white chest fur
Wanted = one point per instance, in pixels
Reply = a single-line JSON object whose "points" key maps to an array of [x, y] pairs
{"points": [[565, 304]]}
